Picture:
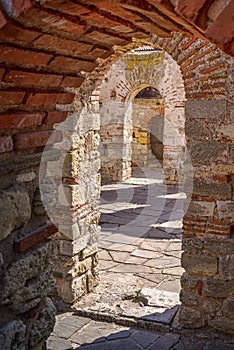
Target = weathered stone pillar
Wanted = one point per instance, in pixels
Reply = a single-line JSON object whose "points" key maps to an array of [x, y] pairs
{"points": [[73, 181], [208, 284]]}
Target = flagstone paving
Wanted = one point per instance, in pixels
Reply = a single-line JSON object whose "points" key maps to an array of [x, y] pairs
{"points": [[82, 333], [139, 263], [140, 244]]}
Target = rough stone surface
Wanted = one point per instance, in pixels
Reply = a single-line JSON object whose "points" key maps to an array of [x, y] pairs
{"points": [[43, 325], [12, 336], [15, 209]]}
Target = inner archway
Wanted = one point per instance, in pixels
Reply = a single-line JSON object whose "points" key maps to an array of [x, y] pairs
{"points": [[148, 125]]}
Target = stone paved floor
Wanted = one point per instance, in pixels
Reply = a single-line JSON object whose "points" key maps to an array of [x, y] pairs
{"points": [[81, 333], [140, 250]]}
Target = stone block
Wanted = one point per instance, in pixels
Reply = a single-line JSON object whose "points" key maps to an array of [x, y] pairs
{"points": [[66, 248], [197, 129], [43, 325], [71, 195], [199, 264], [26, 177], [81, 267], [88, 251], [228, 308], [30, 295], [218, 288], [205, 109], [222, 324], [190, 317], [25, 271], [226, 131], [69, 231], [226, 266], [204, 152], [187, 282], [12, 336], [200, 208], [225, 210], [15, 208], [79, 287], [188, 298], [212, 190], [65, 292]]}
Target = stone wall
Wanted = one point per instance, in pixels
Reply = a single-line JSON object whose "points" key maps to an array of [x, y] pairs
{"points": [[126, 77], [47, 49], [147, 138]]}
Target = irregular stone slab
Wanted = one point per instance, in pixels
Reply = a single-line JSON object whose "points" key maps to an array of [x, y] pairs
{"points": [[104, 255], [162, 315], [56, 343], [218, 346], [144, 338], [75, 321], [148, 254], [106, 264], [173, 271], [155, 297], [165, 342], [153, 277], [119, 256], [163, 262], [170, 286], [135, 260], [129, 268], [158, 246], [122, 247]]}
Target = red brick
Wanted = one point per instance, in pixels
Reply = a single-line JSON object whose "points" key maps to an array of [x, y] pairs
{"points": [[71, 65], [21, 120], [189, 9], [211, 69], [221, 31], [55, 117], [2, 72], [21, 5], [13, 33], [20, 56], [72, 82], [61, 45], [115, 9], [37, 139], [219, 178], [66, 7], [36, 79], [3, 20], [153, 28], [96, 19], [105, 38], [37, 236], [11, 97], [97, 52], [6, 144], [43, 99], [48, 20]]}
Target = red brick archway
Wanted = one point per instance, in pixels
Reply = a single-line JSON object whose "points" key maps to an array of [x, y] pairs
{"points": [[48, 48]]}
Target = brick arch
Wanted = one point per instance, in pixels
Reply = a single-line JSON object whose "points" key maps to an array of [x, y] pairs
{"points": [[47, 49], [115, 94]]}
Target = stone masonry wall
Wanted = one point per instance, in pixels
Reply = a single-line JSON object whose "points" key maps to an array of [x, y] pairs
{"points": [[47, 49], [147, 139], [127, 76]]}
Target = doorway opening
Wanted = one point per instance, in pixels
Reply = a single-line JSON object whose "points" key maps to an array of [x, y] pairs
{"points": [[141, 213]]}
